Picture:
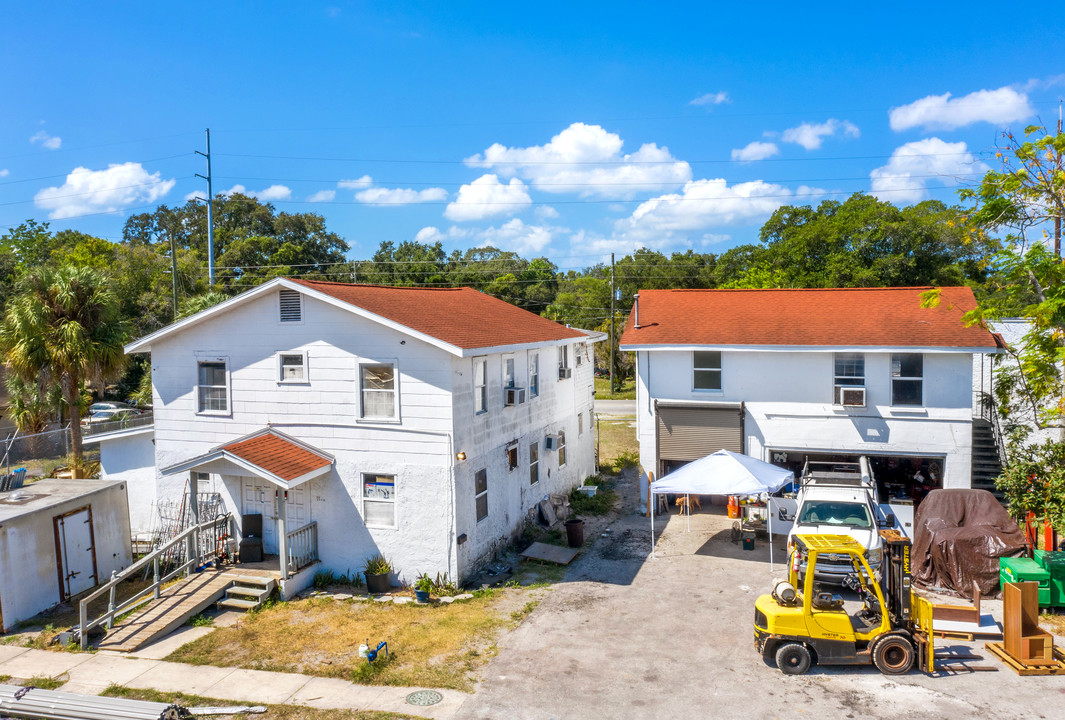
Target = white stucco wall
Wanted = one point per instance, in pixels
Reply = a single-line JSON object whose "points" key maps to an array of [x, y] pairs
{"points": [[130, 457], [1013, 331], [788, 401], [29, 580]]}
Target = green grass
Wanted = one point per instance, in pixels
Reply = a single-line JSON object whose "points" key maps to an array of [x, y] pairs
{"points": [[626, 389], [46, 682]]}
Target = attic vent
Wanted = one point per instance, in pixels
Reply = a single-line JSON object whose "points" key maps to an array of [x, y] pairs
{"points": [[291, 306]]}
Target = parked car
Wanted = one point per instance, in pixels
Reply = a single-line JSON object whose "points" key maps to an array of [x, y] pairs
{"points": [[109, 405], [114, 415]]}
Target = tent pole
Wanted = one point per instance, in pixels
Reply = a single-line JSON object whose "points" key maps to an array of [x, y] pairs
{"points": [[769, 516], [688, 502], [651, 514]]}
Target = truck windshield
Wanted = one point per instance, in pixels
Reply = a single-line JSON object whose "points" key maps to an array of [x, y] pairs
{"points": [[826, 512]]}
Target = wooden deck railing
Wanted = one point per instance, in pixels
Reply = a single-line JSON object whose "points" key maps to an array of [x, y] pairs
{"points": [[200, 547], [302, 547]]}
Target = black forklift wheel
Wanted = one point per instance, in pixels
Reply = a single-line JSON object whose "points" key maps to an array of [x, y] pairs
{"points": [[794, 658], [894, 655]]}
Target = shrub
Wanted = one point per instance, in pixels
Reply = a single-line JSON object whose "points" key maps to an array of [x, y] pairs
{"points": [[599, 504]]}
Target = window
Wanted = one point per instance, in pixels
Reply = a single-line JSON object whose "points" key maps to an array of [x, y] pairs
{"points": [[292, 367], [508, 371], [580, 424], [534, 462], [377, 385], [563, 356], [480, 385], [907, 373], [290, 303], [561, 449], [578, 353], [706, 370], [379, 500], [480, 491], [534, 374], [849, 373], [213, 389], [512, 456]]}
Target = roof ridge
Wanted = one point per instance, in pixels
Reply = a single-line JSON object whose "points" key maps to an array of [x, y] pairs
{"points": [[836, 289], [303, 281]]}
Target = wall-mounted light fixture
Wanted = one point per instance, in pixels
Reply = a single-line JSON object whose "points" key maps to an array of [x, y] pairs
{"points": [[460, 456]]}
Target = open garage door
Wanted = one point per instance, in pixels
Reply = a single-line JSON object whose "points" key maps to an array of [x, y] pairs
{"points": [[688, 432]]}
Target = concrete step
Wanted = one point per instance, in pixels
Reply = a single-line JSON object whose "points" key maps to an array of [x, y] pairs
{"points": [[238, 604], [254, 580], [259, 594]]}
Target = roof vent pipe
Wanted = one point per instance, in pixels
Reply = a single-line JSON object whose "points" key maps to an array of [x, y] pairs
{"points": [[636, 309]]}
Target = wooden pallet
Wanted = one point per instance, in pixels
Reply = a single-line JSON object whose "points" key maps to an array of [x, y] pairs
{"points": [[952, 635], [1058, 668]]}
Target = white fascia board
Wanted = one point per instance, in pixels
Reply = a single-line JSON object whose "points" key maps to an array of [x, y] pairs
{"points": [[491, 349], [594, 336], [123, 433], [200, 460], [812, 348]]}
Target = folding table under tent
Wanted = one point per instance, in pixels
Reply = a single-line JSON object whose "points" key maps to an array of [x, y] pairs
{"points": [[723, 473]]}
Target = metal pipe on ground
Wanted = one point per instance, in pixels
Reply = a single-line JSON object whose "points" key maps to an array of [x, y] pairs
{"points": [[30, 702]]}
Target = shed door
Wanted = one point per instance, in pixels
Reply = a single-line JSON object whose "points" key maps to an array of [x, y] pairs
{"points": [[75, 552], [689, 433]]}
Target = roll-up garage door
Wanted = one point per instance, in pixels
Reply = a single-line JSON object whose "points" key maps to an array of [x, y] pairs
{"points": [[691, 432]]}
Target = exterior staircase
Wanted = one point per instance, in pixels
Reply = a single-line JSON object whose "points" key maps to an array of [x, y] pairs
{"points": [[248, 592], [986, 463]]}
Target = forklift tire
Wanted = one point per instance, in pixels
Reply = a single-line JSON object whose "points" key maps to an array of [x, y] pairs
{"points": [[894, 655], [794, 658]]}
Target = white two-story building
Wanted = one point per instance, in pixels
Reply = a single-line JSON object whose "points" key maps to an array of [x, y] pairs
{"points": [[425, 424], [793, 375]]}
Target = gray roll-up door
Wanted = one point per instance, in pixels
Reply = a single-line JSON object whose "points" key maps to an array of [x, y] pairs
{"points": [[689, 433]]}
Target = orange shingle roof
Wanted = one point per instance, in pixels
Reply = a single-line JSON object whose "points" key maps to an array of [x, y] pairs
{"points": [[874, 317], [462, 317], [278, 456]]}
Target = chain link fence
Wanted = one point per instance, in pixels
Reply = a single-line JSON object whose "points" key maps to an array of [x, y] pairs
{"points": [[50, 445]]}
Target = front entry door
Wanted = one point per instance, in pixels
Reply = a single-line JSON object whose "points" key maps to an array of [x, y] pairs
{"points": [[75, 553], [261, 497]]}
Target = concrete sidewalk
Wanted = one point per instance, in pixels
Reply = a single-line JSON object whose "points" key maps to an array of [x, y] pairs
{"points": [[92, 673]]}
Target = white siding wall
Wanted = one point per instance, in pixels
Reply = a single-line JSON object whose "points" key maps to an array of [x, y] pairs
{"points": [[788, 398], [132, 458], [484, 438]]}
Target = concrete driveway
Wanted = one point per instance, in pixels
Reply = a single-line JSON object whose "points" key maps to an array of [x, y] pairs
{"points": [[626, 636]]}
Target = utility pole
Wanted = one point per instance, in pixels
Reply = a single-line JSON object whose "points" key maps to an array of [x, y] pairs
{"points": [[173, 272], [1057, 218], [612, 386], [210, 213]]}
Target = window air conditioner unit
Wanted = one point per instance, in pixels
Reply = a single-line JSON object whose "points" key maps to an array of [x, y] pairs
{"points": [[564, 373], [514, 396], [852, 396], [550, 442]]}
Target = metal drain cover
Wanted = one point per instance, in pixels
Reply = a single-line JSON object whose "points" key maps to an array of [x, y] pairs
{"points": [[424, 697]]}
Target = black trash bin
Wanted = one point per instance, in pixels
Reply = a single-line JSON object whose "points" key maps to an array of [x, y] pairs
{"points": [[575, 532]]}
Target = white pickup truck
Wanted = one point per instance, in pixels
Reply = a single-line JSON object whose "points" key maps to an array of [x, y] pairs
{"points": [[841, 499]]}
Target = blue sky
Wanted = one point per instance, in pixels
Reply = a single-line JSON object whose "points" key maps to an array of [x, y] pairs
{"points": [[551, 130]]}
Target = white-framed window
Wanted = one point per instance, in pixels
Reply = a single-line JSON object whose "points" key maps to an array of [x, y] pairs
{"points": [[292, 367], [379, 500], [290, 306], [706, 370], [212, 386], [378, 391], [534, 374], [509, 378], [907, 379], [580, 424], [534, 462], [578, 353], [849, 373], [480, 493], [480, 385], [512, 456], [563, 357], [561, 448]]}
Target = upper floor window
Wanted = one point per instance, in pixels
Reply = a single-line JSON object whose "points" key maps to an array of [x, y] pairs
{"points": [[849, 379], [563, 362], [480, 493], [508, 371], [377, 389], [512, 455], [534, 374], [706, 370], [212, 387], [292, 367], [480, 385], [907, 379], [578, 353]]}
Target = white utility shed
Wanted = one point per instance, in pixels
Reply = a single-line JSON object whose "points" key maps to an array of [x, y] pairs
{"points": [[59, 538]]}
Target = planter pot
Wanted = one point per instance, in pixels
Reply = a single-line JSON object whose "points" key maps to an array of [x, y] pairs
{"points": [[421, 596], [377, 584]]}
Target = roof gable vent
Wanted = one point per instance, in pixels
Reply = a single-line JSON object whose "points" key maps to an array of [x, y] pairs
{"points": [[291, 304]]}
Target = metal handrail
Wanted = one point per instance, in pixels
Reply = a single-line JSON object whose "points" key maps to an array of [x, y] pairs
{"points": [[102, 428], [197, 554], [302, 546], [989, 413]]}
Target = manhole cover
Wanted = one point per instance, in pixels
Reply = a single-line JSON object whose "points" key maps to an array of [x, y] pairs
{"points": [[424, 697]]}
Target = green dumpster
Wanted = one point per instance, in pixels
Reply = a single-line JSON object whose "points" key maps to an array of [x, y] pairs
{"points": [[1017, 570], [1053, 561]]}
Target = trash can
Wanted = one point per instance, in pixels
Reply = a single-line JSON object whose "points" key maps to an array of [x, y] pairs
{"points": [[1053, 561], [748, 539], [575, 532], [1015, 570]]}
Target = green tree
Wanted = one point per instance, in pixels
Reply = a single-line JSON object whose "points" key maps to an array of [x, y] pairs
{"points": [[65, 323], [1034, 482]]}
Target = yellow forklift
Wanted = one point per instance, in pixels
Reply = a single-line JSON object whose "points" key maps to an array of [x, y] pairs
{"points": [[799, 624]]}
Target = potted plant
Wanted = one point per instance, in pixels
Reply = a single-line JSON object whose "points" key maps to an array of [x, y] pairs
{"points": [[422, 587], [377, 570]]}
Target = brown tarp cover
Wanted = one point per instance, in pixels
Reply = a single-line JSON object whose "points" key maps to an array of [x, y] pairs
{"points": [[959, 535]]}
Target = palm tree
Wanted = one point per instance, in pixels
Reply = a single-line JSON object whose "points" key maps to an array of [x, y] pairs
{"points": [[66, 323]]}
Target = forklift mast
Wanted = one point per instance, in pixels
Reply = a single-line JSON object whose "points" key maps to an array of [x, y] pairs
{"points": [[896, 577]]}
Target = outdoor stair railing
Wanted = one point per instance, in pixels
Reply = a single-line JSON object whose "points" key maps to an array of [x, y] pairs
{"points": [[201, 547], [302, 546], [989, 412]]}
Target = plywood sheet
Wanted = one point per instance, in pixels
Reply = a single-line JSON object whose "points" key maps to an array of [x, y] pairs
{"points": [[550, 553]]}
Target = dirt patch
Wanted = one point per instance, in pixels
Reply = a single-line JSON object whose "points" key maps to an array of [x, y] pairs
{"points": [[629, 544]]}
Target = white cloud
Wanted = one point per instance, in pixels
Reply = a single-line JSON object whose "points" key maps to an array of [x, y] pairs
{"points": [[810, 135], [485, 197], [429, 235], [940, 112], [274, 192], [711, 99], [904, 179], [196, 195], [546, 212], [586, 159], [400, 196], [322, 196], [516, 236], [93, 191], [4, 172], [755, 151], [50, 142], [364, 182]]}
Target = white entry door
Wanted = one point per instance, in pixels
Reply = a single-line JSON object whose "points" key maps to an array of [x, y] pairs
{"points": [[76, 554], [261, 497]]}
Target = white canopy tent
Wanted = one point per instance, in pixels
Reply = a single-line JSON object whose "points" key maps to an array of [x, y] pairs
{"points": [[724, 473]]}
